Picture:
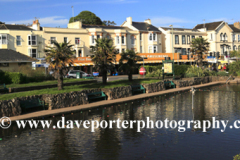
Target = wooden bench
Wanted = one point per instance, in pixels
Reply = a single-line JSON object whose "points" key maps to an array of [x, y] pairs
{"points": [[32, 103], [138, 89], [169, 84], [3, 88], [96, 96]]}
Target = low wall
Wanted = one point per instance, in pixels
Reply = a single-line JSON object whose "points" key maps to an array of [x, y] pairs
{"points": [[11, 108], [118, 92]]}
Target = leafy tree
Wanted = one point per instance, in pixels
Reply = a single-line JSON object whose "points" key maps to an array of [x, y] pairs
{"points": [[200, 46], [58, 57], [87, 17], [128, 62], [235, 54], [109, 23], [103, 55]]}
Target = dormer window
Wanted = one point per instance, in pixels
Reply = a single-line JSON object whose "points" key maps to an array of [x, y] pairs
{"points": [[3, 39]]}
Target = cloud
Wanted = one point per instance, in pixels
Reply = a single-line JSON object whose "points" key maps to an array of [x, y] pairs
{"points": [[166, 21], [50, 21]]}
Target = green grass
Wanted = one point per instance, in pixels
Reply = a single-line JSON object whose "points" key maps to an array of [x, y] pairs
{"points": [[66, 80], [68, 89]]}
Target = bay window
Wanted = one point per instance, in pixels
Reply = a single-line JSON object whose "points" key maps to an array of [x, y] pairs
{"points": [[32, 40]]}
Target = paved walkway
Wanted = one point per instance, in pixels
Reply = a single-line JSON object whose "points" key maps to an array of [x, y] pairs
{"points": [[102, 103]]}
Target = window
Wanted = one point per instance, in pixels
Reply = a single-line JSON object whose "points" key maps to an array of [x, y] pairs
{"points": [[118, 42], [239, 38], [32, 40], [141, 49], [122, 39], [154, 36], [188, 39], [133, 40], [225, 38], [193, 37], [3, 39], [108, 37], [98, 36], [77, 40], [140, 36], [150, 36], [184, 51], [200, 36], [123, 50], [234, 48], [65, 40], [92, 39], [211, 38], [233, 37], [221, 36], [183, 39], [155, 49], [53, 39], [176, 39], [4, 64], [79, 53], [32, 53], [19, 42]]}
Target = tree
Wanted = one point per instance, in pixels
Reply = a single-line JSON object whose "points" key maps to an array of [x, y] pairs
{"points": [[200, 46], [87, 17], [2, 22], [58, 57], [103, 55], [109, 23], [235, 54], [128, 62]]}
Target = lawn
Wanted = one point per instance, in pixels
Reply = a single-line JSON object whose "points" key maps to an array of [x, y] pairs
{"points": [[66, 80], [72, 88]]}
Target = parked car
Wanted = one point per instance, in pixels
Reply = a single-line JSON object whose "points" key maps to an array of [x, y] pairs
{"points": [[73, 74]]}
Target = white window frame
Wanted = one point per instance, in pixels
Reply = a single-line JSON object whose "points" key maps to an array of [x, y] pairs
{"points": [[150, 37], [92, 39], [123, 40], [77, 39], [51, 39], [30, 53], [155, 48], [18, 40], [6, 40], [132, 40], [117, 40], [184, 39], [239, 38], [233, 37], [30, 40], [64, 39]]}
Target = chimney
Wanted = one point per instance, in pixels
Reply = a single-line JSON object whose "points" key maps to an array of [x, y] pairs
{"points": [[237, 25], [75, 25], [148, 21], [36, 25], [129, 20]]}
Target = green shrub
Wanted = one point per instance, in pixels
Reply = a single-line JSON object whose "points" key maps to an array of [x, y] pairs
{"points": [[180, 69], [222, 73], [234, 68], [15, 77], [236, 157], [190, 75]]}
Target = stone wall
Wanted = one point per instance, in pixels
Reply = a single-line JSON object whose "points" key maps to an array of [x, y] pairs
{"points": [[118, 92], [67, 99], [154, 87]]}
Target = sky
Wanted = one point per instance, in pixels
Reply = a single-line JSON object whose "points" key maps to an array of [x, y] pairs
{"points": [[179, 13]]}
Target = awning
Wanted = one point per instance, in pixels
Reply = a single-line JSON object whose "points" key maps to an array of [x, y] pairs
{"points": [[223, 61]]}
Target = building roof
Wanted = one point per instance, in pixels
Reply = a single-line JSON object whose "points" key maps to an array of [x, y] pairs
{"points": [[14, 27], [142, 26], [104, 27], [208, 26], [8, 55], [234, 28], [179, 29]]}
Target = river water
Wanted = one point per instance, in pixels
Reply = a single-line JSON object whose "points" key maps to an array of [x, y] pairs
{"points": [[79, 143]]}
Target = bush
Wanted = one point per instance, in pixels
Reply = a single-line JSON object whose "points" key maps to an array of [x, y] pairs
{"points": [[180, 69], [190, 75], [236, 157], [234, 68], [222, 73]]}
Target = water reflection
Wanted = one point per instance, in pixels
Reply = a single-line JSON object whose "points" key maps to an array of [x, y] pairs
{"points": [[128, 143]]}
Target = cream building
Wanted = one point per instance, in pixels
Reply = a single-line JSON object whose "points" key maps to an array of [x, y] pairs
{"points": [[221, 36]]}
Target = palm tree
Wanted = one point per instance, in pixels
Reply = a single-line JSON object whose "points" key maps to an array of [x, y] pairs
{"points": [[103, 55], [200, 46], [128, 62], [59, 57]]}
